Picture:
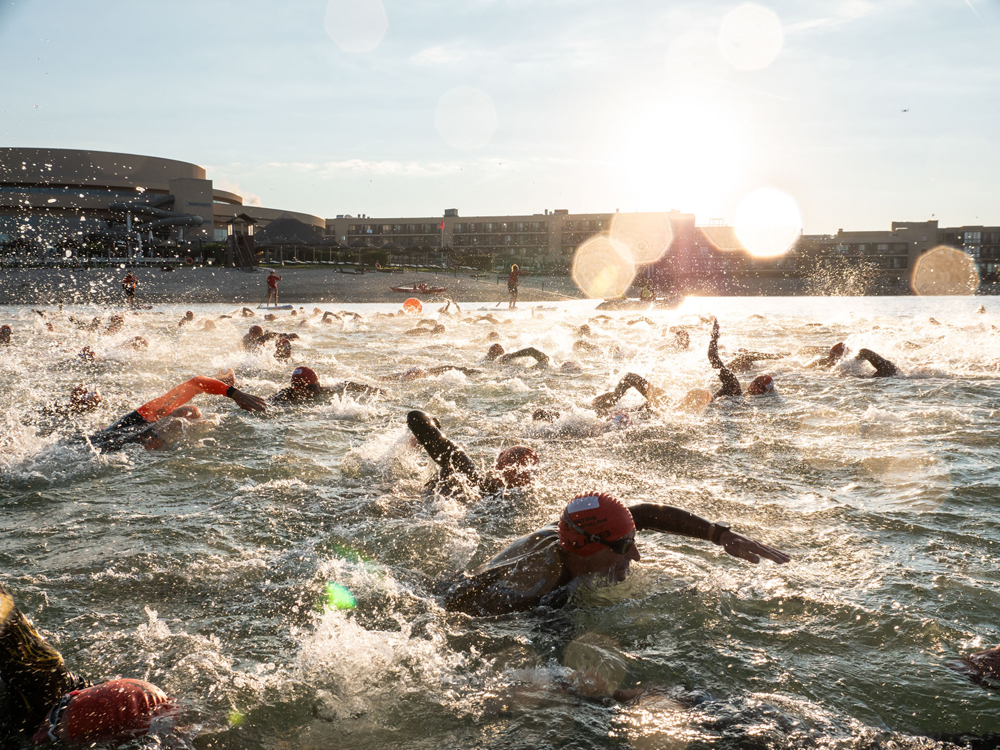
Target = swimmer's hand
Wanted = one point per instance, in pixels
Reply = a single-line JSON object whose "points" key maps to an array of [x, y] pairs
{"points": [[715, 328], [248, 402], [750, 550]]}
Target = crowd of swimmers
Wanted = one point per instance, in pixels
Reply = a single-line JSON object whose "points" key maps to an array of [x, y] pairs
{"points": [[594, 537]]}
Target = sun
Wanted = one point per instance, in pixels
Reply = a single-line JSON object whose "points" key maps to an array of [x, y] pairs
{"points": [[685, 155]]}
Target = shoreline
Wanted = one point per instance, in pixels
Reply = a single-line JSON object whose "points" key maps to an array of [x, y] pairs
{"points": [[207, 284]]}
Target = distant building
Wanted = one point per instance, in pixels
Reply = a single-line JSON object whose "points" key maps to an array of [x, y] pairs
{"points": [[53, 197]]}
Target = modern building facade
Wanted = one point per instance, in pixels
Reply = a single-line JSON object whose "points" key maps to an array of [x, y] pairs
{"points": [[53, 197]]}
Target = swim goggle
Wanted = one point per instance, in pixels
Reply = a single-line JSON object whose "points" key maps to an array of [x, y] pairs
{"points": [[619, 546]]}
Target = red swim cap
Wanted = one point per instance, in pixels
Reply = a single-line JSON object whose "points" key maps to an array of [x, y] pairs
{"points": [[597, 514], [514, 465], [304, 376], [837, 350], [256, 331], [494, 351], [761, 385], [113, 710]]}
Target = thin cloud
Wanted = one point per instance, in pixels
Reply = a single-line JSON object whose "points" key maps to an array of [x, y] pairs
{"points": [[358, 166], [848, 11], [437, 56]]}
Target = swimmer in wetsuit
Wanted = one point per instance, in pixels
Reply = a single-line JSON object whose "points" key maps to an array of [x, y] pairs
{"points": [[606, 401], [593, 539], [496, 354], [305, 387], [513, 467], [41, 701], [82, 399], [883, 367], [730, 385], [416, 373], [5, 334], [257, 337], [144, 425]]}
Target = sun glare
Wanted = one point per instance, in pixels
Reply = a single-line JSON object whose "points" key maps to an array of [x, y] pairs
{"points": [[600, 270], [768, 222], [945, 271], [685, 156], [751, 37], [642, 237]]}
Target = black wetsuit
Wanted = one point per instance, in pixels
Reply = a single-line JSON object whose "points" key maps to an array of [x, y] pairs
{"points": [[316, 392], [33, 676], [539, 356], [730, 385], [606, 401], [132, 428], [457, 471], [883, 367]]}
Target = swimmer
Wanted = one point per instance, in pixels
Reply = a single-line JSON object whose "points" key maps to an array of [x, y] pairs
{"points": [[5, 334], [115, 324], [139, 343], [682, 339], [496, 354], [257, 337], [246, 312], [744, 360], [329, 316], [457, 475], [87, 354], [282, 349], [188, 317], [419, 331], [730, 385], [594, 539], [82, 399], [883, 367], [208, 325], [416, 373], [43, 702], [445, 310], [606, 401], [832, 357], [488, 318], [305, 387], [142, 425]]}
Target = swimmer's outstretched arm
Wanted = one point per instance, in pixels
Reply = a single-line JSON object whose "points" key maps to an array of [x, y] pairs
{"points": [[883, 367], [446, 454], [606, 400], [540, 357], [181, 394], [666, 518], [730, 385], [713, 347]]}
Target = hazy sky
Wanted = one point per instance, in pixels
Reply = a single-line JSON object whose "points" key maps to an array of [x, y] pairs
{"points": [[408, 107]]}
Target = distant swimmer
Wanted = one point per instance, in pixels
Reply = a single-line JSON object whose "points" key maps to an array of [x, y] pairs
{"points": [[512, 281], [445, 310], [745, 360], [5, 334], [496, 354], [188, 317], [129, 284], [84, 398], [305, 387], [246, 312], [594, 539], [421, 331], [514, 467], [730, 385], [116, 323], [148, 425], [282, 349], [138, 343], [42, 702], [682, 339], [604, 403], [832, 357], [257, 337], [417, 373], [272, 287]]}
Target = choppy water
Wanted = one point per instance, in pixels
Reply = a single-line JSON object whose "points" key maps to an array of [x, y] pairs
{"points": [[201, 568]]}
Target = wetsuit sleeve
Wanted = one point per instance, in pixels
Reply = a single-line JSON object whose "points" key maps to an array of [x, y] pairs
{"points": [[631, 380], [540, 357], [650, 516], [33, 673], [730, 385], [162, 406], [446, 454], [883, 367]]}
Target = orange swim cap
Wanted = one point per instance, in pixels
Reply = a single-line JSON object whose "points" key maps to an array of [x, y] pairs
{"points": [[514, 465], [113, 710], [598, 515]]}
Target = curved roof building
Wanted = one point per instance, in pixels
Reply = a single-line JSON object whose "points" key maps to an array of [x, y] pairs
{"points": [[49, 196]]}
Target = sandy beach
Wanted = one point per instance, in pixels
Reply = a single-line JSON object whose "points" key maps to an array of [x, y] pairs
{"points": [[48, 286]]}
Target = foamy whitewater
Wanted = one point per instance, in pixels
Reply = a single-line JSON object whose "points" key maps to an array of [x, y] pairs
{"points": [[203, 568]]}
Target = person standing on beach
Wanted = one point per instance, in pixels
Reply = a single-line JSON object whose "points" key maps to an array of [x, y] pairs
{"points": [[515, 274], [272, 288], [128, 286]]}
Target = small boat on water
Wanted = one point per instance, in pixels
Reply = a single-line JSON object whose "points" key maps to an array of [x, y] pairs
{"points": [[418, 287]]}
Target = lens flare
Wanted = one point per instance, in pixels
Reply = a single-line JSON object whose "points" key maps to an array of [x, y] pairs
{"points": [[599, 666], [356, 25], [642, 237], [600, 270], [750, 37], [722, 238], [768, 222], [466, 118], [945, 271], [336, 596]]}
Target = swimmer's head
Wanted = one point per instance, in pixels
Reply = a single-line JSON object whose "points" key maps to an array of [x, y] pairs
{"points": [[438, 329], [189, 315], [186, 412], [270, 316], [494, 351], [584, 330], [514, 465], [760, 385], [837, 350], [256, 331], [492, 336], [303, 377], [682, 339], [85, 398], [139, 343], [594, 521], [283, 348], [5, 332]]}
